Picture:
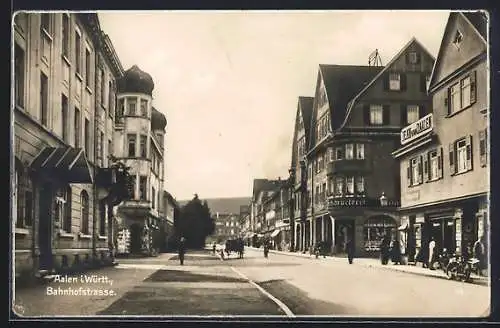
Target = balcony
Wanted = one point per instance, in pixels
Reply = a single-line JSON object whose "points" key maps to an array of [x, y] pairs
{"points": [[349, 165]]}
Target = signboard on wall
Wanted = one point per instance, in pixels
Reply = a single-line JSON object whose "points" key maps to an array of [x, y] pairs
{"points": [[416, 129]]}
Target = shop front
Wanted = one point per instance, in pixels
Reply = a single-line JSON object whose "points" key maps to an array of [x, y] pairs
{"points": [[374, 230], [454, 226]]}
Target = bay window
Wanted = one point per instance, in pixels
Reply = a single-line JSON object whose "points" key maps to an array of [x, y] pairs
{"points": [[350, 185]]}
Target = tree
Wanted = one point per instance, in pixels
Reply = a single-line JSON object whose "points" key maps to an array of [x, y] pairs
{"points": [[196, 222]]}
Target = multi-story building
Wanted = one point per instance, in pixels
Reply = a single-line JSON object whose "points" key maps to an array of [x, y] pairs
{"points": [[262, 189], [169, 214], [58, 142], [139, 144], [227, 226], [298, 172], [358, 112], [444, 156], [277, 218]]}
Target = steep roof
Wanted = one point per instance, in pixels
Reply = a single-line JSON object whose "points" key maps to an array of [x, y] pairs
{"points": [[381, 71], [342, 83], [479, 20], [306, 107], [264, 185]]}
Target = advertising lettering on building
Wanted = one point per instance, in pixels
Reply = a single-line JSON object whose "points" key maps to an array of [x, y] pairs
{"points": [[416, 129]]}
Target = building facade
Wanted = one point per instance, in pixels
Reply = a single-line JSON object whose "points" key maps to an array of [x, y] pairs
{"points": [[139, 144], [357, 114], [444, 162], [227, 226], [58, 145], [170, 212]]}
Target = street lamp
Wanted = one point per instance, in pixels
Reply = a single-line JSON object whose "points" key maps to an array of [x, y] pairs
{"points": [[383, 199]]}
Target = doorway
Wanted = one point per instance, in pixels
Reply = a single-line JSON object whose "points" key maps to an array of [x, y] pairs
{"points": [[135, 238], [45, 226]]}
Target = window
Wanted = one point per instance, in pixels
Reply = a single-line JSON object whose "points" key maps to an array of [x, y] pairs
{"points": [[360, 185], [78, 52], [416, 170], [433, 165], [320, 163], [103, 86], [132, 106], [144, 107], [350, 185], [483, 147], [465, 92], [412, 114], [360, 151], [19, 75], [110, 98], [64, 118], [16, 201], [455, 98], [84, 203], [339, 186], [44, 104], [120, 110], [77, 128], [376, 114], [110, 148], [132, 186], [413, 58], [131, 140], [457, 40], [67, 210], [101, 143], [65, 36], [45, 23], [349, 151], [394, 81], [339, 153], [102, 219], [331, 154], [153, 197], [87, 68], [143, 187], [461, 156], [23, 197], [143, 146], [87, 137]]}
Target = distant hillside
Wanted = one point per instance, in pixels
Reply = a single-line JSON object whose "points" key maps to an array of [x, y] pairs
{"points": [[224, 205]]}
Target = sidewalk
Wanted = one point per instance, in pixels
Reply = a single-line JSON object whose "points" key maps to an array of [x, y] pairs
{"points": [[375, 263]]}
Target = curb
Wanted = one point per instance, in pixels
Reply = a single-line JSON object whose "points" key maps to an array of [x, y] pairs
{"points": [[475, 281]]}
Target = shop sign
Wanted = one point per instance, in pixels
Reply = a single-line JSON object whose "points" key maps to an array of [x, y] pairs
{"points": [[419, 219], [415, 130], [360, 202]]}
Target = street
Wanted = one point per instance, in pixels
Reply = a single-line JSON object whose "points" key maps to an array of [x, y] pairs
{"points": [[279, 285]]}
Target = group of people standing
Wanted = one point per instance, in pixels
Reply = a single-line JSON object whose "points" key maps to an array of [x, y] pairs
{"points": [[390, 249]]}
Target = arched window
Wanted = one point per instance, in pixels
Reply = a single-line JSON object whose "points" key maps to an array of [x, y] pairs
{"points": [[67, 210], [84, 199]]}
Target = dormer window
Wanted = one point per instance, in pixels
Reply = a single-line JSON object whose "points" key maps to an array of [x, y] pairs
{"points": [[457, 40]]}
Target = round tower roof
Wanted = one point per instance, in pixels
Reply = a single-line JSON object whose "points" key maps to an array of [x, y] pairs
{"points": [[136, 80], [158, 120]]}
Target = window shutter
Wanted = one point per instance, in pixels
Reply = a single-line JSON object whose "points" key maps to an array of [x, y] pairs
{"points": [[482, 148], [386, 82], [404, 115], [451, 153], [473, 87], [426, 166], [419, 57], [447, 100], [421, 111], [468, 142], [386, 115], [440, 162], [366, 114], [402, 78], [420, 171]]}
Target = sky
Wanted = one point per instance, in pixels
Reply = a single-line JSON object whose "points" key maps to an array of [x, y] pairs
{"points": [[229, 81]]}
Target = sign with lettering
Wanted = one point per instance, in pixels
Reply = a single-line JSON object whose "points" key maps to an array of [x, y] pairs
{"points": [[360, 202], [416, 129]]}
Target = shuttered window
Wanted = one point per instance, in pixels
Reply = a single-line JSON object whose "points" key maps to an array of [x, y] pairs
{"points": [[483, 148], [462, 94], [460, 155]]}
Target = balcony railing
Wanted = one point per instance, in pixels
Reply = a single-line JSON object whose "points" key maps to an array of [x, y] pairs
{"points": [[349, 165]]}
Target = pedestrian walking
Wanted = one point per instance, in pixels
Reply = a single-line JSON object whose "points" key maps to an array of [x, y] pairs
{"points": [[182, 250], [349, 245], [395, 252], [213, 248], [384, 250], [432, 246]]}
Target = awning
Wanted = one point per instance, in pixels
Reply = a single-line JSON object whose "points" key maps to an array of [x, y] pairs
{"points": [[66, 163], [275, 233], [403, 227]]}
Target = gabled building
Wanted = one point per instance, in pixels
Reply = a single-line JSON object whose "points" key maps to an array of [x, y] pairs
{"points": [[298, 173], [169, 215], [358, 113], [444, 162]]}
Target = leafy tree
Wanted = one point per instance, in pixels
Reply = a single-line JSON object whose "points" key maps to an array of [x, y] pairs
{"points": [[196, 222]]}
